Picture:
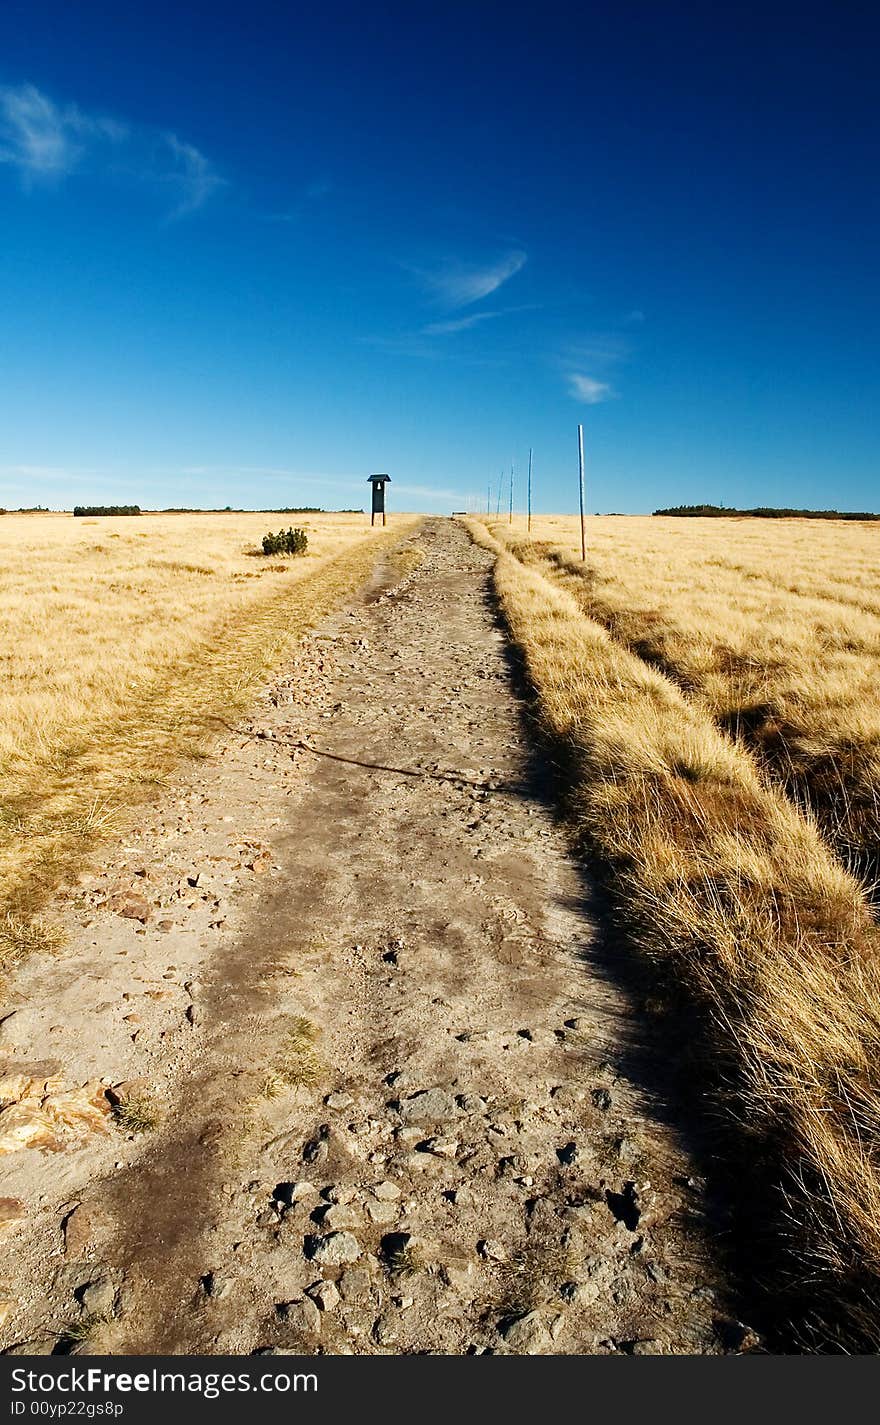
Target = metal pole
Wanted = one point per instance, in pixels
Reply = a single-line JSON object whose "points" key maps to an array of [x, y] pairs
{"points": [[500, 488], [581, 479], [529, 526], [510, 516], [489, 496]]}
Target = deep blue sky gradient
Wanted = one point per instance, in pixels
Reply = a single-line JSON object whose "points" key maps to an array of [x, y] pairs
{"points": [[685, 197]]}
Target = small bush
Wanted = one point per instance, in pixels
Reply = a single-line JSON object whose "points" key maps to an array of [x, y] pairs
{"points": [[286, 541]]}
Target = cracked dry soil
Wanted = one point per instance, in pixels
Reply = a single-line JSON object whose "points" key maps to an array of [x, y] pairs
{"points": [[392, 1110]]}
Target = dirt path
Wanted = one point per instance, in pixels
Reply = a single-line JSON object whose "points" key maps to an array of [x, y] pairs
{"points": [[391, 1114]]}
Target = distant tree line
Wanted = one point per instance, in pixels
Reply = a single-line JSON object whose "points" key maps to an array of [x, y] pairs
{"points": [[764, 512], [228, 510], [106, 509]]}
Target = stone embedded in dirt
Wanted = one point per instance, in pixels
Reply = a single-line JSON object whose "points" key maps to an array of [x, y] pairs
{"points": [[568, 1154], [194, 1014], [602, 1099], [97, 1298], [302, 1314], [419, 1163], [325, 1295], [340, 1192], [511, 1166], [288, 1193], [471, 1103], [429, 1106], [77, 1230], [317, 1149], [460, 1197], [527, 1334], [407, 1137], [334, 1250], [339, 1100], [354, 1284], [386, 1191], [12, 1213], [582, 1293], [218, 1288], [385, 1328], [339, 1216], [7, 1307], [382, 1213], [440, 1147], [132, 907], [37, 1108], [459, 1276], [492, 1250]]}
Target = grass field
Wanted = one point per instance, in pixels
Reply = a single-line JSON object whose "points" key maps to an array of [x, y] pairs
{"points": [[120, 638], [641, 663], [773, 627]]}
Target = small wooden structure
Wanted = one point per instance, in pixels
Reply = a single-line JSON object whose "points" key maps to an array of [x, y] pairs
{"points": [[378, 483]]}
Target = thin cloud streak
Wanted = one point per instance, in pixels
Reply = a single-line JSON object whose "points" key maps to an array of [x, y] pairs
{"points": [[453, 283], [192, 174], [47, 141], [460, 324]]}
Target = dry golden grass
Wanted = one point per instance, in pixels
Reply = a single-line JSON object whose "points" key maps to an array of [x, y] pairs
{"points": [[120, 638], [772, 625], [726, 884]]}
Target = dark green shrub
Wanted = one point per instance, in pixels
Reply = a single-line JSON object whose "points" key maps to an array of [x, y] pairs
{"points": [[286, 541]]}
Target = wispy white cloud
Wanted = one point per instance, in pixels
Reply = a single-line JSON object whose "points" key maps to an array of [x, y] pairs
{"points": [[587, 389], [460, 324], [45, 140], [457, 324], [453, 283], [192, 175]]}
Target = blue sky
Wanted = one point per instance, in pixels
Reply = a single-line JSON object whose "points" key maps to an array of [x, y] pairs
{"points": [[252, 253]]}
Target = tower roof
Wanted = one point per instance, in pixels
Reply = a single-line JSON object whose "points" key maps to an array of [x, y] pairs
{"points": [[378, 479]]}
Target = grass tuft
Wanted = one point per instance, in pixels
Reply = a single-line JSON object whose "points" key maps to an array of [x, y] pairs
{"points": [[136, 1115]]}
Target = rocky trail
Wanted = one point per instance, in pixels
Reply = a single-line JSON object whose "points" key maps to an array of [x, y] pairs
{"points": [[368, 1066]]}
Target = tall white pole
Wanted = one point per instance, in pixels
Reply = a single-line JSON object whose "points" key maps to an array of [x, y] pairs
{"points": [[581, 485], [510, 515], [529, 525]]}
